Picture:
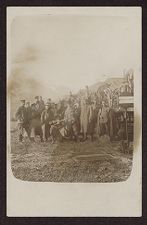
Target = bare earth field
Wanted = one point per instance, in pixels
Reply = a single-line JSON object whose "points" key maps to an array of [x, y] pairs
{"points": [[69, 161]]}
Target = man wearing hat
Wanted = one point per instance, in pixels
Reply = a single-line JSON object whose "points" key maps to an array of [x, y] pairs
{"points": [[47, 117], [28, 117], [41, 104], [37, 103], [21, 117], [70, 120], [49, 100], [28, 110]]}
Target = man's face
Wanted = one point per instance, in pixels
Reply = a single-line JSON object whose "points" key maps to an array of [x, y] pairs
{"points": [[23, 103], [47, 107]]}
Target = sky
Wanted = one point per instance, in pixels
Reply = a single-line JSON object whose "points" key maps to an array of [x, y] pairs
{"points": [[74, 50]]}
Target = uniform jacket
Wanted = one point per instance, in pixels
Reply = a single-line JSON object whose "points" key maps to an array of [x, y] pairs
{"points": [[47, 116], [21, 114]]}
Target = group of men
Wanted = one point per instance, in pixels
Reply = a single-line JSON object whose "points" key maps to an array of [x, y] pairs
{"points": [[73, 119], [35, 119]]}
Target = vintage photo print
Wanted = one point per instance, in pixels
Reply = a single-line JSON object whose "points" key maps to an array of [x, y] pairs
{"points": [[74, 111]]}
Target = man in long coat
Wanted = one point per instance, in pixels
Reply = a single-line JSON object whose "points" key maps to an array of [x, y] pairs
{"points": [[69, 119], [35, 123], [84, 118], [21, 117], [28, 117], [47, 117], [92, 118], [103, 119], [41, 105]]}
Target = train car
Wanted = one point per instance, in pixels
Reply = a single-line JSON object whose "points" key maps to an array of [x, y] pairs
{"points": [[127, 104]]}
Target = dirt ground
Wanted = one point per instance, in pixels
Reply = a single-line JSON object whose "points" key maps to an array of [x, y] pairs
{"points": [[88, 161]]}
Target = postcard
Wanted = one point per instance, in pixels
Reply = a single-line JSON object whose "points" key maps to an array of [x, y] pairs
{"points": [[74, 111]]}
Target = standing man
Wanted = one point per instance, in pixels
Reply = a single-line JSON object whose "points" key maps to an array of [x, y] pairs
{"points": [[35, 124], [47, 117], [103, 119], [28, 117], [76, 114], [92, 118], [37, 103], [22, 119], [61, 109], [84, 117], [41, 104], [70, 122]]}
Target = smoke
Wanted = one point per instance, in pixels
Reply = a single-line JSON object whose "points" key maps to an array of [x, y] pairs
{"points": [[23, 86], [28, 54]]}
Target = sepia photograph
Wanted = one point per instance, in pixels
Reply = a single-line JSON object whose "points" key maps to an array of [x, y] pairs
{"points": [[71, 96]]}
